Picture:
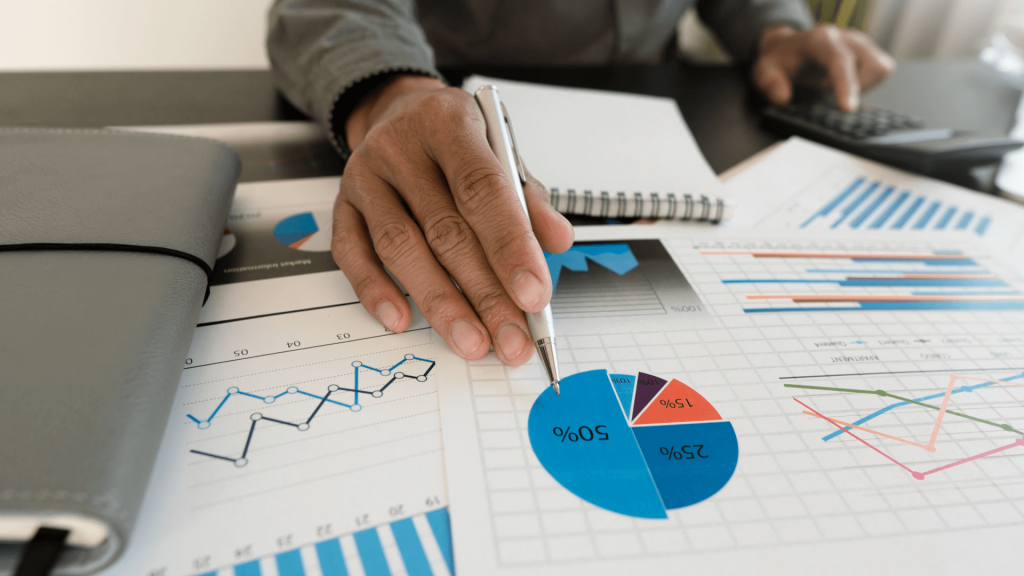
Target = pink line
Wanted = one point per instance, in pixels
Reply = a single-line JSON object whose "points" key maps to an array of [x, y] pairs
{"points": [[942, 413], [890, 458], [1017, 442]]}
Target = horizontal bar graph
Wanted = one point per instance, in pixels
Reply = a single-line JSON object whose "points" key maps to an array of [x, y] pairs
{"points": [[869, 281], [866, 204]]}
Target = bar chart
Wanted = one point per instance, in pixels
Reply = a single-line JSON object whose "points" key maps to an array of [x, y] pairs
{"points": [[837, 280], [419, 546], [867, 204]]}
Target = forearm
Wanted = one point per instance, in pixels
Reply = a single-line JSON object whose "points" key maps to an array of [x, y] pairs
{"points": [[740, 24], [319, 53]]}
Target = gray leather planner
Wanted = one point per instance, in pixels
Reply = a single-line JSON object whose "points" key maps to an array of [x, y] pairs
{"points": [[106, 239]]}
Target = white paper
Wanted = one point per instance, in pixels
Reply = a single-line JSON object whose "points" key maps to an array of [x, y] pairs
{"points": [[792, 187], [796, 503], [271, 462], [603, 141]]}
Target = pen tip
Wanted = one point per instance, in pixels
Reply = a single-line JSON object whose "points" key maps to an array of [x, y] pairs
{"points": [[557, 391]]}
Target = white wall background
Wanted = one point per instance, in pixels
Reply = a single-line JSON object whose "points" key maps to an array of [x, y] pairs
{"points": [[132, 34]]}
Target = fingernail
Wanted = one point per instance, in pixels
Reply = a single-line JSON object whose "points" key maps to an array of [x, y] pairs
{"points": [[512, 341], [853, 101], [389, 315], [529, 290], [778, 94], [467, 338]]}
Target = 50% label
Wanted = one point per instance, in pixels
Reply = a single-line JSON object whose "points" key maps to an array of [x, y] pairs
{"points": [[581, 433]]}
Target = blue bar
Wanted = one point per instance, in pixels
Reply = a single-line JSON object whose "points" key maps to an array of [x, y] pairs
{"points": [[942, 305], [925, 261], [898, 225], [965, 220], [855, 204], [835, 201], [946, 217], [411, 548], [982, 226], [248, 569], [958, 282], [880, 271], [923, 220], [900, 306], [209, 574], [880, 221], [440, 525], [965, 293], [371, 553], [290, 564], [332, 561], [871, 208]]}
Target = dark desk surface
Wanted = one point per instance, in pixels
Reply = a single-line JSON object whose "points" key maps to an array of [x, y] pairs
{"points": [[717, 102]]}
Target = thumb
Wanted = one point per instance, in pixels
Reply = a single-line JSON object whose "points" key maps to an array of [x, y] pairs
{"points": [[772, 81]]}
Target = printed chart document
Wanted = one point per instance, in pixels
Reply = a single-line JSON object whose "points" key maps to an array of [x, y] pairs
{"points": [[806, 186], [856, 406], [570, 138], [305, 437]]}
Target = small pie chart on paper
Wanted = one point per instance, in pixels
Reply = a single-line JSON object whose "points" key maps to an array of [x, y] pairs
{"points": [[307, 231], [637, 445]]}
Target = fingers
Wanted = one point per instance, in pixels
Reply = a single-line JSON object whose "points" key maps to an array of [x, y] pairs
{"points": [[487, 200], [353, 251], [826, 45], [553, 231], [873, 64], [457, 249], [400, 245], [773, 81]]}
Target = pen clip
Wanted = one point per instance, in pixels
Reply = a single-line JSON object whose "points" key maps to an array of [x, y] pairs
{"points": [[515, 147]]}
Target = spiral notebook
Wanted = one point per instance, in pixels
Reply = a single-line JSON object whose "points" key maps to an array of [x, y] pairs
{"points": [[610, 154]]}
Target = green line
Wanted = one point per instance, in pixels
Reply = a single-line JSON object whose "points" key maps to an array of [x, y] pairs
{"points": [[885, 394]]}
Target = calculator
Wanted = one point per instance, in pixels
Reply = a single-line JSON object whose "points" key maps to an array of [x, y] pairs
{"points": [[891, 137]]}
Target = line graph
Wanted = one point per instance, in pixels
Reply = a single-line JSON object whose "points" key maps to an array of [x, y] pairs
{"points": [[943, 410], [304, 424]]}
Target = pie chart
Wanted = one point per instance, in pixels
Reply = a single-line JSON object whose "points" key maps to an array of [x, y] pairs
{"points": [[637, 445], [308, 231]]}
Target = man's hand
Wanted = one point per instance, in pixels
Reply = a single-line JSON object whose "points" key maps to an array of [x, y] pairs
{"points": [[852, 60], [424, 195]]}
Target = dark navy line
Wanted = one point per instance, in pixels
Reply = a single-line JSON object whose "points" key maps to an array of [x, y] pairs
{"points": [[385, 387], [249, 439], [354, 390], [279, 421], [432, 364], [213, 455], [216, 322], [317, 409]]}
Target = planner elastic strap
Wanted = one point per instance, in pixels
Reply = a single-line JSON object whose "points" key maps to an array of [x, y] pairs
{"points": [[40, 554], [102, 247]]}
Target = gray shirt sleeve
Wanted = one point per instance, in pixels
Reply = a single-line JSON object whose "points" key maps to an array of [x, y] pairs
{"points": [[739, 23], [319, 50]]}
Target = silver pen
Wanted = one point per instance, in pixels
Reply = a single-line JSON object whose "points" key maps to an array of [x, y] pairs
{"points": [[503, 143]]}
